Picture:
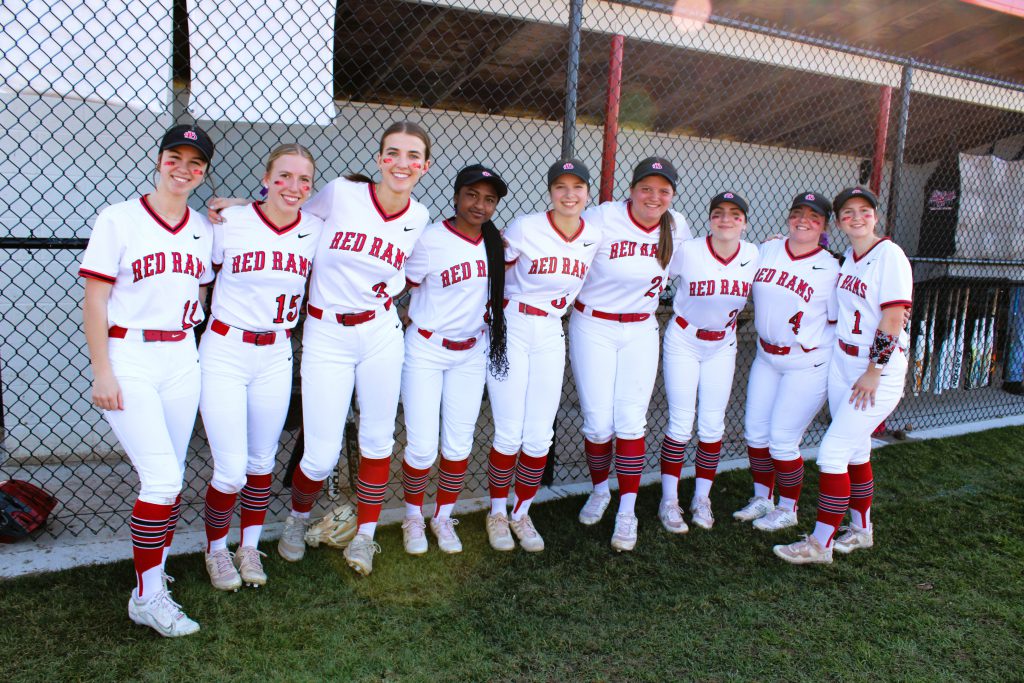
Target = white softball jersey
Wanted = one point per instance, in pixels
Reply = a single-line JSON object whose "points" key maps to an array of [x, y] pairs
{"points": [[795, 296], [868, 284], [712, 291], [360, 261], [625, 276], [262, 268], [155, 268], [449, 271], [548, 268]]}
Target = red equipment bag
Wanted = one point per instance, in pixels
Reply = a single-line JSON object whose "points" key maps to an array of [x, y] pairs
{"points": [[24, 508]]}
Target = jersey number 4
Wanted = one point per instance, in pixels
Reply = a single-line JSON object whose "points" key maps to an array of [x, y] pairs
{"points": [[795, 322], [293, 309]]}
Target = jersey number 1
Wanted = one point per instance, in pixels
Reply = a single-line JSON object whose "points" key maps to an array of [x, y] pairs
{"points": [[856, 322]]}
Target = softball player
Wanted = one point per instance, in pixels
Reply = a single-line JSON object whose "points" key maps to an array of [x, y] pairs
{"points": [[145, 270], [263, 254], [614, 336], [457, 268], [794, 315], [715, 276], [548, 256], [865, 382]]}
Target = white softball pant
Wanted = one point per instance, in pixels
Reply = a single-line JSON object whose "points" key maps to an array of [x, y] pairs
{"points": [[441, 390], [615, 366], [784, 394], [336, 359], [160, 387], [848, 439], [244, 402], [525, 403], [697, 372]]}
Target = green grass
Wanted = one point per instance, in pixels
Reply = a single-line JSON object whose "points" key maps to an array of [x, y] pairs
{"points": [[939, 597]]}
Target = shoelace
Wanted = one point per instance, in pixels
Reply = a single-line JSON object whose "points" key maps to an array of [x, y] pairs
{"points": [[448, 527], [628, 526], [223, 562], [294, 530], [251, 559], [371, 546], [674, 513], [174, 608], [527, 526]]}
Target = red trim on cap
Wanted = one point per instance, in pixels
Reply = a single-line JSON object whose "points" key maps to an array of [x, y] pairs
{"points": [[718, 258], [455, 231], [794, 257], [279, 229], [93, 275], [380, 209], [174, 230], [558, 232], [858, 258], [629, 210]]}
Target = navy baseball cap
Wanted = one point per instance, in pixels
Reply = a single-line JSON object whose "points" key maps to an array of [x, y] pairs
{"points": [[728, 197], [476, 173], [851, 192], [568, 167], [814, 200], [655, 166], [191, 135]]}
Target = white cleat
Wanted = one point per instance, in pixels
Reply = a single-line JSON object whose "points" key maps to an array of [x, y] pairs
{"points": [[221, 568], [853, 538], [414, 536], [250, 566], [776, 519], [593, 509], [624, 536], [805, 551], [671, 517], [443, 529], [498, 533], [700, 513], [756, 508], [359, 554], [292, 545], [524, 530], [161, 614]]}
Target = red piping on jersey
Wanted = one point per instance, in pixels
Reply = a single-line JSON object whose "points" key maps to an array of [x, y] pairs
{"points": [[794, 257], [174, 230], [718, 258], [410, 284], [858, 258], [280, 230], [890, 304], [629, 210], [558, 232], [380, 209], [92, 274], [455, 232]]}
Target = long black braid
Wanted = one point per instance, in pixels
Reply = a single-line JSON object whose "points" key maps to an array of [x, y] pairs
{"points": [[497, 355]]}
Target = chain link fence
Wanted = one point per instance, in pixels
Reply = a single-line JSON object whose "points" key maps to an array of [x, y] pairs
{"points": [[88, 87]]}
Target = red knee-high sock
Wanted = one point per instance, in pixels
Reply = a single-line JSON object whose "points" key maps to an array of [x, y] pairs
{"points": [[173, 521], [529, 470], [599, 460], [629, 464], [450, 477], [414, 482], [833, 500], [672, 455], [149, 531], [499, 472], [255, 500], [862, 492], [305, 491], [371, 487], [220, 507], [708, 454], [761, 468], [790, 475]]}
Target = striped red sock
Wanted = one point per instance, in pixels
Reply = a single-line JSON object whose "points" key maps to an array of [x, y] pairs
{"points": [[761, 468], [305, 491], [672, 455], [862, 492], [833, 500], [629, 464], [414, 483], [499, 473], [790, 475], [450, 477], [708, 454], [173, 522], [255, 500], [599, 460], [529, 471], [371, 487], [217, 515], [149, 531]]}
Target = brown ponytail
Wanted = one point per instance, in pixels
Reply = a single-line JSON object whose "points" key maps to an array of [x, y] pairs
{"points": [[665, 241]]}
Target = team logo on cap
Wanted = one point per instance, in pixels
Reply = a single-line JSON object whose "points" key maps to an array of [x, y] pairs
{"points": [[729, 195], [809, 197], [856, 191], [485, 174], [567, 167], [191, 135], [656, 165]]}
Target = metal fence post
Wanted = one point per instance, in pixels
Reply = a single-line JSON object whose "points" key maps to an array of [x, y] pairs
{"points": [[611, 117], [572, 77], [901, 141]]}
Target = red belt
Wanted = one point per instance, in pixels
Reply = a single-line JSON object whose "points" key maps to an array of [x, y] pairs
{"points": [[257, 338], [347, 319], [616, 317], [848, 349], [529, 310], [450, 343], [780, 350], [706, 335], [118, 332]]}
